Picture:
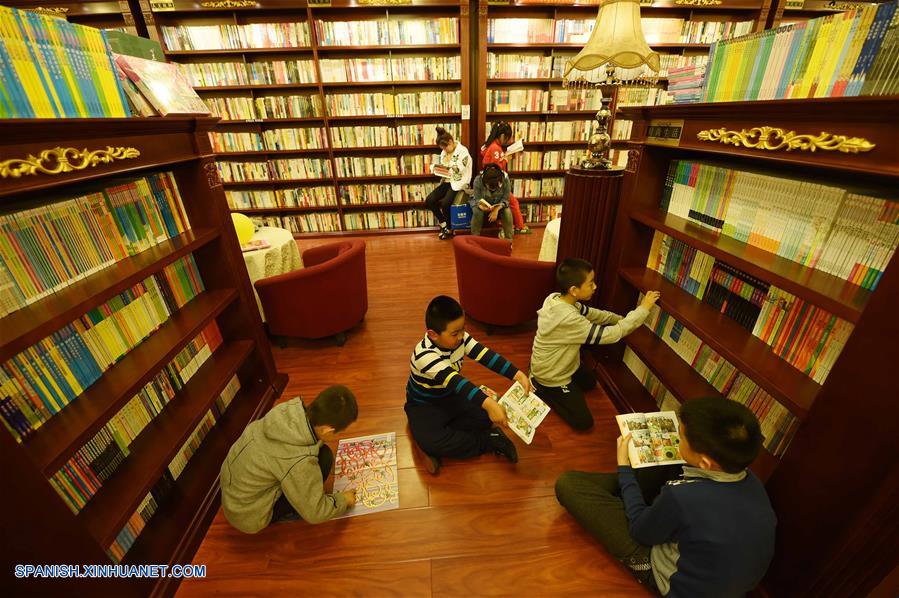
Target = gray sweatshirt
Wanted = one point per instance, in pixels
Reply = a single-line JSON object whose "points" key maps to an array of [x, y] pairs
{"points": [[563, 328], [276, 455]]}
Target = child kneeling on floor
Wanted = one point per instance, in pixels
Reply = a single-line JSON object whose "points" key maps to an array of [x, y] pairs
{"points": [[448, 415], [277, 468], [709, 532]]}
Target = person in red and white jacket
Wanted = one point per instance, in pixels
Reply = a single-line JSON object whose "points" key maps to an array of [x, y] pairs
{"points": [[493, 152]]}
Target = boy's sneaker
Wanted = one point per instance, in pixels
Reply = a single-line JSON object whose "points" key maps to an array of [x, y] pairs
{"points": [[502, 445], [501, 235], [523, 231], [445, 233]]}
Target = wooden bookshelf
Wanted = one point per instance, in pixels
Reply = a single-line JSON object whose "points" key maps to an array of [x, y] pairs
{"points": [[828, 451], [186, 12], [784, 11], [181, 146], [102, 14]]}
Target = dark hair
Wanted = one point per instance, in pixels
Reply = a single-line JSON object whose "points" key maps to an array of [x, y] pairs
{"points": [[492, 175], [334, 406], [725, 430], [444, 137], [498, 128], [572, 272], [441, 311]]}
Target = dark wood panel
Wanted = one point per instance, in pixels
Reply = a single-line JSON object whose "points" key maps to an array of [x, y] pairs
{"points": [[25, 327], [54, 442], [792, 388]]}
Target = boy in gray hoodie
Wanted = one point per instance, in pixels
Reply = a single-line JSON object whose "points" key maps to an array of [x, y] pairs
{"points": [[277, 468], [564, 323]]}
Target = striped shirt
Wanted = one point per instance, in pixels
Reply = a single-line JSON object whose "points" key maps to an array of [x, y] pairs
{"points": [[436, 372]]}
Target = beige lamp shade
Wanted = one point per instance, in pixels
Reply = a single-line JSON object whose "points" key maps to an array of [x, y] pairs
{"points": [[617, 41]]}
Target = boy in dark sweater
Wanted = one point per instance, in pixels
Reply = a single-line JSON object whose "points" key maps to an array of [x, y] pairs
{"points": [[708, 533], [448, 415]]}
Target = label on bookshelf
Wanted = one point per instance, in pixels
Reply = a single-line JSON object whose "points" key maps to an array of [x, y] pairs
{"points": [[794, 4], [466, 111], [665, 132], [319, 2], [382, 2], [162, 6], [499, 2]]}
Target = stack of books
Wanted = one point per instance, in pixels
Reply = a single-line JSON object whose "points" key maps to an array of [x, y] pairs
{"points": [[685, 84]]}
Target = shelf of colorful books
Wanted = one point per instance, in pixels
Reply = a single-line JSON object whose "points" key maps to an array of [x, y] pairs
{"points": [[422, 83], [613, 372], [580, 46], [792, 388], [108, 510], [386, 177], [252, 87], [834, 294], [226, 51], [841, 134], [28, 325], [541, 113], [196, 489], [272, 182], [387, 148], [272, 121], [536, 172], [63, 434], [547, 199], [395, 48], [564, 143], [378, 206], [285, 210], [225, 155], [453, 115]]}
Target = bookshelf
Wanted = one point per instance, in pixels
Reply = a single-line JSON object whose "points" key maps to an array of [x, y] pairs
{"points": [[828, 449], [784, 12], [102, 14], [348, 51], [45, 528], [529, 56]]}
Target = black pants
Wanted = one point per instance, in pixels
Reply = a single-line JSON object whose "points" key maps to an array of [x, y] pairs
{"points": [[451, 427], [283, 510], [439, 201], [594, 500], [568, 401]]}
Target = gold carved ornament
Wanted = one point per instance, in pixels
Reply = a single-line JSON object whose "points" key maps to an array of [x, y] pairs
{"points": [[53, 11], [698, 2], [59, 160], [773, 138], [230, 4]]}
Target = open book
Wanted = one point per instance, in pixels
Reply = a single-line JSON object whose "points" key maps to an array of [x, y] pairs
{"points": [[486, 204], [441, 171], [516, 147], [525, 411], [654, 438]]}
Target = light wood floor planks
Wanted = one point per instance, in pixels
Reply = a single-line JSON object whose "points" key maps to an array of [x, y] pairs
{"points": [[481, 528]]}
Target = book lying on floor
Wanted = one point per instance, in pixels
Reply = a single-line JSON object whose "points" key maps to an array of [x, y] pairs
{"points": [[655, 439], [368, 465], [525, 411]]}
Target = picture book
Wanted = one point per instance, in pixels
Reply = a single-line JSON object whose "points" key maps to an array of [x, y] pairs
{"points": [[163, 85], [368, 464], [516, 147], [441, 171], [525, 411], [254, 245], [655, 439]]}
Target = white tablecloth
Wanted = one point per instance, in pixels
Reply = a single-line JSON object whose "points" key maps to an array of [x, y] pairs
{"points": [[550, 244], [283, 256]]}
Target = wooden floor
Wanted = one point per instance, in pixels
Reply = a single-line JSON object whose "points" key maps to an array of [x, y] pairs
{"points": [[483, 527]]}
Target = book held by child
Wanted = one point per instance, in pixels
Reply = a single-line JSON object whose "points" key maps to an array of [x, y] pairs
{"points": [[655, 438], [525, 411]]}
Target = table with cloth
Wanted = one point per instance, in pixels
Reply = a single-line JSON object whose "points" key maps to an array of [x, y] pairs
{"points": [[280, 257]]}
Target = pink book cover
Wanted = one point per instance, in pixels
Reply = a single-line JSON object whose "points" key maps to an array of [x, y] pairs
{"points": [[163, 85]]}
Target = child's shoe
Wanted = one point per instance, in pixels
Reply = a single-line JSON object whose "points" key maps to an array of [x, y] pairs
{"points": [[501, 235], [523, 231], [431, 463], [445, 233], [502, 445]]}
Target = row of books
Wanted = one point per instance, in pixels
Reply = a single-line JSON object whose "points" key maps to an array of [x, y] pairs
{"points": [[269, 140], [40, 381], [536, 100], [148, 507], [640, 96], [394, 68], [383, 194], [537, 131], [807, 337], [82, 476], [549, 160], [777, 422], [50, 246], [622, 129], [825, 227], [848, 54], [655, 30], [685, 84], [387, 136], [319, 222], [235, 37], [663, 397], [286, 169], [234, 72], [265, 107], [442, 30], [282, 198], [349, 166], [531, 66], [546, 187], [393, 219], [51, 68], [541, 212], [381, 103]]}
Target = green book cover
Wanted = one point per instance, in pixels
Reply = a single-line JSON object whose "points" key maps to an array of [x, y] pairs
{"points": [[756, 84], [133, 45]]}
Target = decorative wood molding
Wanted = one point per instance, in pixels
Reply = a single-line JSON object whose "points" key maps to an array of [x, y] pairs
{"points": [[230, 4], [51, 11], [698, 2], [633, 160], [212, 175], [775, 138], [382, 2], [59, 160]]}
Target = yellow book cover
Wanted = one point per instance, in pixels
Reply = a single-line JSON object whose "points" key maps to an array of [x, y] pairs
{"points": [[858, 40], [59, 47], [822, 47], [35, 27], [22, 64], [51, 390], [842, 25], [729, 70], [53, 353]]}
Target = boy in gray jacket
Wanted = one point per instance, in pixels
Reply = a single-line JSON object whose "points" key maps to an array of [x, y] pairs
{"points": [[277, 468], [564, 323]]}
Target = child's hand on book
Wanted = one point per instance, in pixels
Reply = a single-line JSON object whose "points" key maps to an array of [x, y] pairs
{"points": [[495, 412], [522, 379], [650, 299], [624, 458], [350, 495]]}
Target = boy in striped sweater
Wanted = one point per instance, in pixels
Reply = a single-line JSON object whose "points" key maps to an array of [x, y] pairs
{"points": [[448, 415]]}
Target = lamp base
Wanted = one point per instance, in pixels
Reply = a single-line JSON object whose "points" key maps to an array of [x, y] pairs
{"points": [[601, 163]]}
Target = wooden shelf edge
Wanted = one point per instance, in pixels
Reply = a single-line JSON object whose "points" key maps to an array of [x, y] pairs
{"points": [[792, 388], [27, 326], [66, 432], [108, 511], [677, 375], [836, 295], [626, 392]]}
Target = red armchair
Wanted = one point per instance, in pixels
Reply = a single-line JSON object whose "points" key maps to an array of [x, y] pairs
{"points": [[328, 296], [497, 289]]}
